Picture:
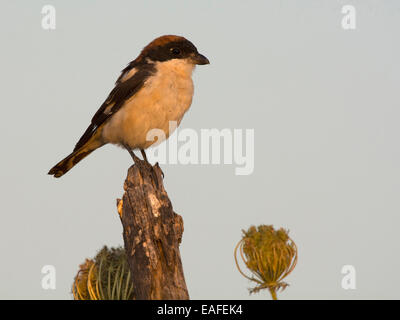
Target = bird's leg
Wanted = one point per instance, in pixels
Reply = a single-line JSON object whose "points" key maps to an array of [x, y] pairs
{"points": [[139, 163], [154, 174], [133, 155], [144, 155]]}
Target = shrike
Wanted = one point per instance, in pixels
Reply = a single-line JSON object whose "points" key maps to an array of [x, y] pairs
{"points": [[151, 91]]}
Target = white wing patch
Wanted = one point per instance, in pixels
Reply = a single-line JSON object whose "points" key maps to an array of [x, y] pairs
{"points": [[128, 74]]}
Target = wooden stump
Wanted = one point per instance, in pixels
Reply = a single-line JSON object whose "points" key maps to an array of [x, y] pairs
{"points": [[152, 233]]}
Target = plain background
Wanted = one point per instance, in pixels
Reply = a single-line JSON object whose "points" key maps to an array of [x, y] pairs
{"points": [[324, 104]]}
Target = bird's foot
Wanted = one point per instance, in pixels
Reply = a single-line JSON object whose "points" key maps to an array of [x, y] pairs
{"points": [[145, 163]]}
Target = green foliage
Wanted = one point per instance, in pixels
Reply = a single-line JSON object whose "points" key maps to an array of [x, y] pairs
{"points": [[269, 254], [106, 277]]}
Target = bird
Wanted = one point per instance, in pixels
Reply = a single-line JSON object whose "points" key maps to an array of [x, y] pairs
{"points": [[152, 90]]}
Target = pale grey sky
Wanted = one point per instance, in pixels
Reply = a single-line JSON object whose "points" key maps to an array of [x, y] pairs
{"points": [[324, 104]]}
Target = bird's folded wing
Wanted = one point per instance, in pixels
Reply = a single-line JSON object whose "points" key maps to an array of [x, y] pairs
{"points": [[122, 91]]}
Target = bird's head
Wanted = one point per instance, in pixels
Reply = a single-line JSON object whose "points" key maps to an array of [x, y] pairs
{"points": [[171, 47]]}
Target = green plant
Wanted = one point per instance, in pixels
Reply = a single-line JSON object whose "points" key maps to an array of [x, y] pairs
{"points": [[106, 277]]}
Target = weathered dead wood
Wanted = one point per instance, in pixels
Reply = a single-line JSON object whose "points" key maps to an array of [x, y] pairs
{"points": [[152, 233]]}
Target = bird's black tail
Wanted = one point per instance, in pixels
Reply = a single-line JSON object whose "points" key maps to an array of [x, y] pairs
{"points": [[66, 164]]}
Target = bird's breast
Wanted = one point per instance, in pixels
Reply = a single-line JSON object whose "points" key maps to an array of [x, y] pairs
{"points": [[165, 97]]}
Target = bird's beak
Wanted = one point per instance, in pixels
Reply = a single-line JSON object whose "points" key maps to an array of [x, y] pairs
{"points": [[200, 59]]}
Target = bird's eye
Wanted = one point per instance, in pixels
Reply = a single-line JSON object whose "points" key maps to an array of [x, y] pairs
{"points": [[175, 51]]}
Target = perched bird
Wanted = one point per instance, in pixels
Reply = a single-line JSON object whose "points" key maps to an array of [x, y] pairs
{"points": [[152, 90]]}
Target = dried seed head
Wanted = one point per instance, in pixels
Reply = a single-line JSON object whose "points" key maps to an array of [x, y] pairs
{"points": [[269, 254]]}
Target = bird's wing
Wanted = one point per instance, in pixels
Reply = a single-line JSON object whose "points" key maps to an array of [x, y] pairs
{"points": [[122, 91]]}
